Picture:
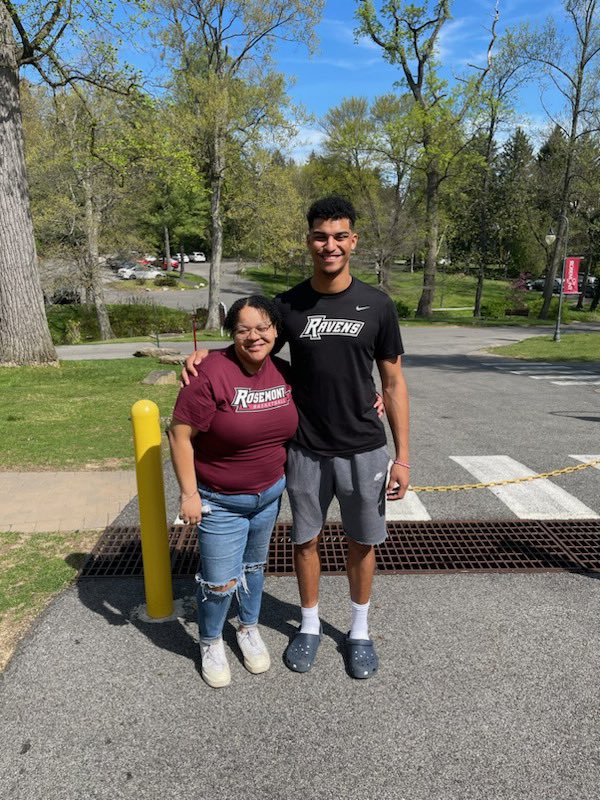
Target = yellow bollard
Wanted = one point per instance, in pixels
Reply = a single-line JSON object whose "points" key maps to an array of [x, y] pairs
{"points": [[145, 419]]}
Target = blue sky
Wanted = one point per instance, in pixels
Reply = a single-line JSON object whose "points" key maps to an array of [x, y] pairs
{"points": [[342, 68]]}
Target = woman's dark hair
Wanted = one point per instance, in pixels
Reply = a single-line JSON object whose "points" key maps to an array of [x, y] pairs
{"points": [[259, 301], [332, 207]]}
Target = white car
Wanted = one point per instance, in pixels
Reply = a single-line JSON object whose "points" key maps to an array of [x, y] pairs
{"points": [[197, 257], [186, 258], [127, 272], [145, 274]]}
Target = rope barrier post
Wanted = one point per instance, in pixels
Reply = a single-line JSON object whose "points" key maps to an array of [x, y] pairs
{"points": [[158, 585]]}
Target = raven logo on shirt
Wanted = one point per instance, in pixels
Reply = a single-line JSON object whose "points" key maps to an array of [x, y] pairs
{"points": [[318, 326], [262, 400]]}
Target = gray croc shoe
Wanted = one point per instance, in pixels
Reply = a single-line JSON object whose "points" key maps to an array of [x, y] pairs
{"points": [[300, 653], [361, 659]]}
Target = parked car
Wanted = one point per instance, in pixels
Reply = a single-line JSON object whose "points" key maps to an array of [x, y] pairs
{"points": [[146, 273], [197, 256], [590, 288], [186, 258], [172, 264], [127, 270], [63, 297], [536, 285], [147, 260]]}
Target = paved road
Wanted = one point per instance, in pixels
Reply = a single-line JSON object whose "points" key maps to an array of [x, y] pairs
{"points": [[474, 419], [233, 285]]}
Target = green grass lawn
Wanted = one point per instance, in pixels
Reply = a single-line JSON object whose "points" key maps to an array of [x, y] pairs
{"points": [[572, 347], [453, 291], [33, 568], [189, 281], [76, 414]]}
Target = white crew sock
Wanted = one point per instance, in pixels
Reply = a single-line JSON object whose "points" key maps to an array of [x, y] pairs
{"points": [[360, 620], [310, 620]]}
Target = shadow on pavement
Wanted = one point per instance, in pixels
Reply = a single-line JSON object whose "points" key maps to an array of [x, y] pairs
{"points": [[118, 599]]}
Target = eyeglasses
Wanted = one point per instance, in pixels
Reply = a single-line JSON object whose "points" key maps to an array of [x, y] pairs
{"points": [[260, 330]]}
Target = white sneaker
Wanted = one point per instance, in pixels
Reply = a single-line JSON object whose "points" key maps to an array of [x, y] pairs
{"points": [[256, 655], [215, 669]]}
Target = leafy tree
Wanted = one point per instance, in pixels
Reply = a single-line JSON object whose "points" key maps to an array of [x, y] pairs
{"points": [[225, 77], [265, 210], [408, 36], [374, 145], [32, 34], [521, 227], [572, 64]]}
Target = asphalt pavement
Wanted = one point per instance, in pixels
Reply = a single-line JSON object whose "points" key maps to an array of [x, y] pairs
{"points": [[488, 686], [488, 689]]}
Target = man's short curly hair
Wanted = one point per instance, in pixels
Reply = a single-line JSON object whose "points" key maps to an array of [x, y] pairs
{"points": [[334, 206]]}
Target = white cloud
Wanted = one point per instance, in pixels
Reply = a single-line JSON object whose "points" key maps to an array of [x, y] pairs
{"points": [[306, 141]]}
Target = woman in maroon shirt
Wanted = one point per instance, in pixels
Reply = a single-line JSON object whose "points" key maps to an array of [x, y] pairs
{"points": [[228, 446]]}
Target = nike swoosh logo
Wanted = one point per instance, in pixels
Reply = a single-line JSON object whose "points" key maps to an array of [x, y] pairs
{"points": [[362, 308]]}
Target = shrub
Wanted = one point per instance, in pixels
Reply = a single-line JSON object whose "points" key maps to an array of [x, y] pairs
{"points": [[131, 319], [73, 331], [493, 309], [565, 314], [403, 309], [166, 280]]}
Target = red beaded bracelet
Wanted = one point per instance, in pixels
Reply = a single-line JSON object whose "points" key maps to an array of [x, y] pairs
{"points": [[402, 464]]}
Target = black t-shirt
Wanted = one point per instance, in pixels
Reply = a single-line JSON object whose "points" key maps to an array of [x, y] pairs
{"points": [[334, 340]]}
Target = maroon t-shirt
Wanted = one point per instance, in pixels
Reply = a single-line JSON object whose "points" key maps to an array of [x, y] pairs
{"points": [[244, 422]]}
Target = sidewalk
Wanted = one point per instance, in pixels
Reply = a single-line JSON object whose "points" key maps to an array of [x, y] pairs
{"points": [[63, 501]]}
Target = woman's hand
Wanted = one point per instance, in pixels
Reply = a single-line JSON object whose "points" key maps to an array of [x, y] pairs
{"points": [[378, 405], [190, 509]]}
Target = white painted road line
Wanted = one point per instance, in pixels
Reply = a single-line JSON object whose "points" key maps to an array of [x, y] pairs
{"points": [[576, 383], [409, 508], [575, 375], [539, 499], [585, 459]]}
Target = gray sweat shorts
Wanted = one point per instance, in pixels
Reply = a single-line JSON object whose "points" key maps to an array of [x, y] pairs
{"points": [[358, 482]]}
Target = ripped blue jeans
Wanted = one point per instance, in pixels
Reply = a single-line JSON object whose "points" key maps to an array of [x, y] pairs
{"points": [[233, 540]]}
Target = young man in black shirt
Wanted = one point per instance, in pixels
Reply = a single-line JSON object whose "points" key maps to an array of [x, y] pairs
{"points": [[336, 327]]}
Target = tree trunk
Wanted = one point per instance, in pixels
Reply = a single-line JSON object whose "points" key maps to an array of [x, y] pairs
{"points": [[385, 267], [182, 262], [217, 168], [483, 216], [479, 291], [24, 334], [596, 297], [92, 225], [586, 275], [424, 308], [560, 245], [167, 249]]}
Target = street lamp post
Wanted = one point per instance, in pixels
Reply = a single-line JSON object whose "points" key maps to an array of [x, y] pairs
{"points": [[550, 238]]}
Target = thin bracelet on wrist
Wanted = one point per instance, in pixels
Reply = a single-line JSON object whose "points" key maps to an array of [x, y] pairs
{"points": [[402, 463], [185, 497]]}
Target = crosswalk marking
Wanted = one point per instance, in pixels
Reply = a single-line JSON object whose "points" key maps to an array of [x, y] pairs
{"points": [[585, 459], [575, 375], [576, 383], [556, 374], [409, 508], [540, 499]]}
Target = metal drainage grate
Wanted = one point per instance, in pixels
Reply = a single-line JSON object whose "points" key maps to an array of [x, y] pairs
{"points": [[424, 547]]}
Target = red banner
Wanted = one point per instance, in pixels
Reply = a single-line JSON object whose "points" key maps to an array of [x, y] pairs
{"points": [[571, 275]]}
